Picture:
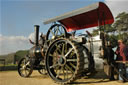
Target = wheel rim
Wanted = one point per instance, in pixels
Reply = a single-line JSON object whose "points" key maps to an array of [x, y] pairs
{"points": [[24, 68], [62, 61], [56, 31]]}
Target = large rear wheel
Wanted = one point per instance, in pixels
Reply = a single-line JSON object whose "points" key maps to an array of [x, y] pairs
{"points": [[64, 61]]}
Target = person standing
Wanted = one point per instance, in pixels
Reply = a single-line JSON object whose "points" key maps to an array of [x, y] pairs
{"points": [[121, 60], [126, 64], [110, 61]]}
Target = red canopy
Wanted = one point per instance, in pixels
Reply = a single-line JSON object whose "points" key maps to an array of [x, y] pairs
{"points": [[94, 15]]}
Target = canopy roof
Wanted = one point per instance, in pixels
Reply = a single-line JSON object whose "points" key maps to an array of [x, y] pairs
{"points": [[93, 15]]}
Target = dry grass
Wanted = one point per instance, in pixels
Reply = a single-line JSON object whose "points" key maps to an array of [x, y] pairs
{"points": [[12, 78]]}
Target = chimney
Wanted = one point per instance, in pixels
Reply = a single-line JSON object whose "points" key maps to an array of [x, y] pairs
{"points": [[36, 34]]}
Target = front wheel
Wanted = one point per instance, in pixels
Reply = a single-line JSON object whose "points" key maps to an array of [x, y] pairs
{"points": [[25, 68]]}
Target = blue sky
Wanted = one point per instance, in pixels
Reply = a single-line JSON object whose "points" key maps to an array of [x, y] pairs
{"points": [[18, 17]]}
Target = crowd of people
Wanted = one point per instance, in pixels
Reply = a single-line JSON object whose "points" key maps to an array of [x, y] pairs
{"points": [[120, 64]]}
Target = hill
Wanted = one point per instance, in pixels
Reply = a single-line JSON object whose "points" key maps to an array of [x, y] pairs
{"points": [[20, 54], [9, 58], [13, 57]]}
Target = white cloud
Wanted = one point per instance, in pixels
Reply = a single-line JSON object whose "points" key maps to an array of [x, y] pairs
{"points": [[9, 44], [117, 6]]}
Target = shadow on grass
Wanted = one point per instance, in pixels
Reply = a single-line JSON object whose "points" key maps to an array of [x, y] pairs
{"points": [[89, 82], [99, 77], [39, 76]]}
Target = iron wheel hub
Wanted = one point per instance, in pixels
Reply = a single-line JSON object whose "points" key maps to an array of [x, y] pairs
{"points": [[62, 61]]}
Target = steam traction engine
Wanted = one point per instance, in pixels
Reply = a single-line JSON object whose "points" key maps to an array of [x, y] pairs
{"points": [[66, 57]]}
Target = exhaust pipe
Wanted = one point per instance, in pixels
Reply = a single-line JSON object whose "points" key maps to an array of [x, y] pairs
{"points": [[36, 34]]}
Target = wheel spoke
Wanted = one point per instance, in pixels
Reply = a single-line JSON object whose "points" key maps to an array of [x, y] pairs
{"points": [[25, 72], [59, 72], [71, 60], [66, 72], [69, 52], [57, 68], [57, 30], [52, 33], [21, 69], [27, 63], [72, 54], [53, 55], [54, 30], [58, 49], [53, 66], [69, 68], [66, 50], [60, 31], [63, 72], [28, 69], [63, 49], [73, 65]]}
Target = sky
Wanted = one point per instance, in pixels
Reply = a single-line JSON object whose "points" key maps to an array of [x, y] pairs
{"points": [[18, 17]]}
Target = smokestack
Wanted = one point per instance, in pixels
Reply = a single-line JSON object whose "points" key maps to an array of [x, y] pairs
{"points": [[36, 34]]}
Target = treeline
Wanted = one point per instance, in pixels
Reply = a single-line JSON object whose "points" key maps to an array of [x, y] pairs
{"points": [[13, 58], [117, 30]]}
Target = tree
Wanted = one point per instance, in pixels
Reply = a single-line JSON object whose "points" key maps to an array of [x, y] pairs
{"points": [[121, 26], [118, 30], [121, 23], [95, 32], [107, 28]]}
